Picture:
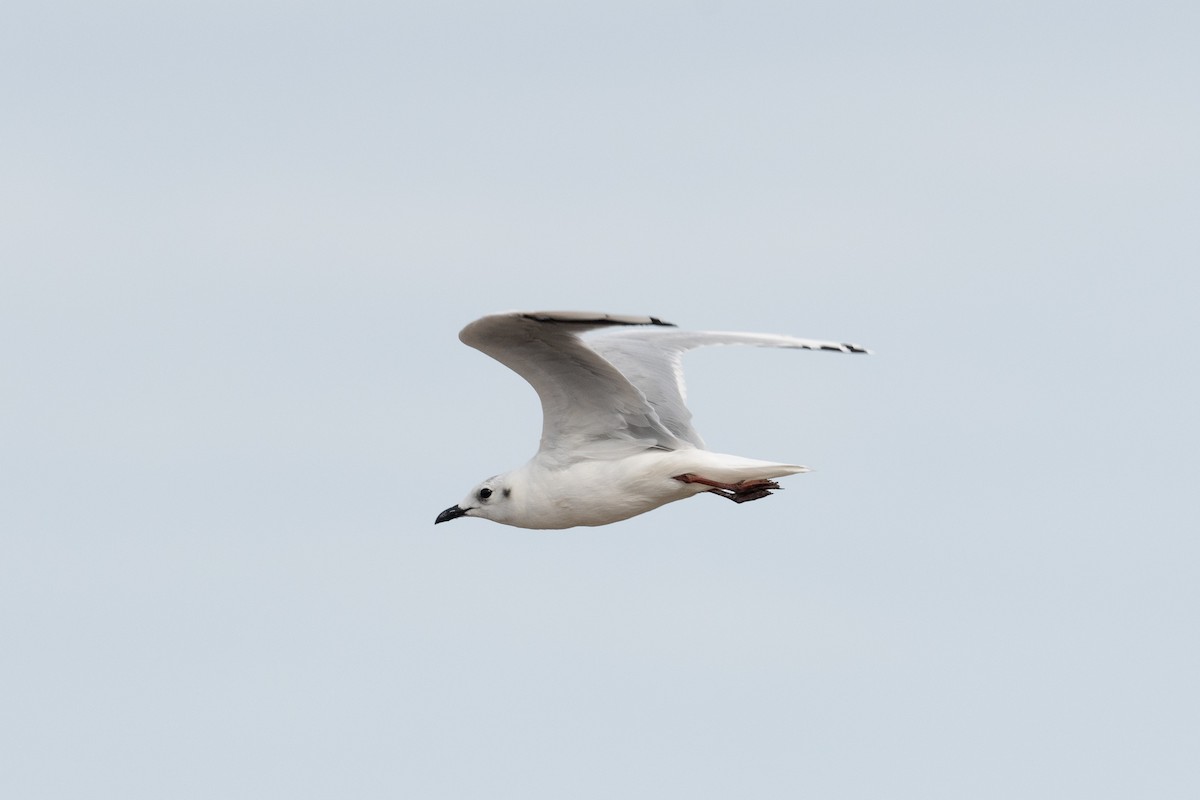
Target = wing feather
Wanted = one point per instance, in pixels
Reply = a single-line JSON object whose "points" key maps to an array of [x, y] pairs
{"points": [[652, 360], [589, 409]]}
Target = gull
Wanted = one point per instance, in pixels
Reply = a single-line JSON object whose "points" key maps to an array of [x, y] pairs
{"points": [[617, 438]]}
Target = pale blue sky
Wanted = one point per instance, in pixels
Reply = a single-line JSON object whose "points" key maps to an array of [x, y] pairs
{"points": [[238, 242]]}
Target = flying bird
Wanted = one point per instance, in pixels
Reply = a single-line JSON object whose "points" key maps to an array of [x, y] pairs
{"points": [[617, 438]]}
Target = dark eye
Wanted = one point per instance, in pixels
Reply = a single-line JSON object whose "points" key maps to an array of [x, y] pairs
{"points": [[485, 493]]}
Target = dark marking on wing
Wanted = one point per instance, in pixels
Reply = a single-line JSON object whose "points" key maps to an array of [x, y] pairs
{"points": [[844, 348], [578, 318]]}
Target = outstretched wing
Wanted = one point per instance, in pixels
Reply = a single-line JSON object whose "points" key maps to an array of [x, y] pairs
{"points": [[589, 409], [652, 360]]}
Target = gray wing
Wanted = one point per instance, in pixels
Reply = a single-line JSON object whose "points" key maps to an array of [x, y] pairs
{"points": [[589, 409], [652, 360]]}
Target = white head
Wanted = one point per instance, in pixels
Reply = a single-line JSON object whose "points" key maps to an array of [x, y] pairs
{"points": [[492, 499]]}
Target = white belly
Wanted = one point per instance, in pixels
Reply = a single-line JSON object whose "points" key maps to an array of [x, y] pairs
{"points": [[605, 491]]}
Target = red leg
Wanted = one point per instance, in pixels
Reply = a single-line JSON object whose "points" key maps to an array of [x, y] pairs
{"points": [[741, 492]]}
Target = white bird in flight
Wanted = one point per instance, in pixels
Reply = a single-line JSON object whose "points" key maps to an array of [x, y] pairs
{"points": [[617, 438]]}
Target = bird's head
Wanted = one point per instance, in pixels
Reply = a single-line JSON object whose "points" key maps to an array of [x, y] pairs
{"points": [[492, 499]]}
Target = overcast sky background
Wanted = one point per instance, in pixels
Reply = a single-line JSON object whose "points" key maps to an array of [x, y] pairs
{"points": [[237, 241]]}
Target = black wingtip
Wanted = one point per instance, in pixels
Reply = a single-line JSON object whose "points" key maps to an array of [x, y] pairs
{"points": [[845, 347], [592, 318]]}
